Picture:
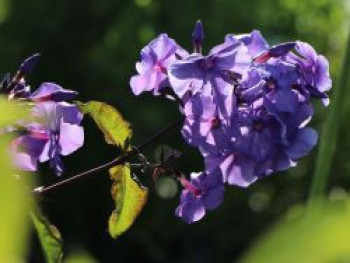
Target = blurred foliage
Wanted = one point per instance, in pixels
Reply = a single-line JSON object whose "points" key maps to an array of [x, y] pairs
{"points": [[329, 138], [322, 238], [15, 195], [92, 47], [80, 256]]}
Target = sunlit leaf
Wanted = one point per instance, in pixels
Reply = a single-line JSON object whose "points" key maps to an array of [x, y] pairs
{"points": [[15, 199], [49, 236], [116, 130], [323, 238], [129, 199]]}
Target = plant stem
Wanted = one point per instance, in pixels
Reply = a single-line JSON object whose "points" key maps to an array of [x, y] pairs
{"points": [[120, 160], [330, 134]]}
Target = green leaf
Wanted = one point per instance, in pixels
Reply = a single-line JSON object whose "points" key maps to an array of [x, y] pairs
{"points": [[323, 238], [49, 236], [15, 200], [116, 130], [129, 199]]}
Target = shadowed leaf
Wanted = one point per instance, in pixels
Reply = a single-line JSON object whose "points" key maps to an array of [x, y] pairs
{"points": [[129, 199], [115, 129], [49, 236]]}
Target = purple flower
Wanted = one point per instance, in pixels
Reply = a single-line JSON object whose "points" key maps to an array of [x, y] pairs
{"points": [[254, 41], [314, 69], [194, 73], [206, 119], [263, 145], [55, 131], [52, 92], [246, 107], [258, 48], [155, 60], [204, 192]]}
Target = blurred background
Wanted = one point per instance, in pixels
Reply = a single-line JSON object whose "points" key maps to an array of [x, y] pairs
{"points": [[92, 46]]}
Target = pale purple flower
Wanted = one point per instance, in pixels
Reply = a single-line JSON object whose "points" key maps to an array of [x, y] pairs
{"points": [[155, 60], [206, 119], [55, 131], [204, 192]]}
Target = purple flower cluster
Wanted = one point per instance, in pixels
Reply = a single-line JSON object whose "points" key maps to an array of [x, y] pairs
{"points": [[54, 128], [246, 107]]}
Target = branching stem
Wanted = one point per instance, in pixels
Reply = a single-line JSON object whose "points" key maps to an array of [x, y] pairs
{"points": [[120, 160]]}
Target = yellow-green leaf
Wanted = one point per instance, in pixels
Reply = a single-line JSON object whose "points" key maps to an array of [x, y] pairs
{"points": [[116, 130], [49, 236], [129, 199]]}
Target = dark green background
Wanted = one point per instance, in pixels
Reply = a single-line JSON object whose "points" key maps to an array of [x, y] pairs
{"points": [[92, 46]]}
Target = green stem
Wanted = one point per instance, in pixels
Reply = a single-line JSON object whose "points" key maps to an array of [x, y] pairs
{"points": [[330, 133]]}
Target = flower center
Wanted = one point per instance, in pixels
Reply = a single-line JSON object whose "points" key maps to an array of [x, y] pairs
{"points": [[215, 122], [258, 125], [207, 63], [190, 187], [159, 67]]}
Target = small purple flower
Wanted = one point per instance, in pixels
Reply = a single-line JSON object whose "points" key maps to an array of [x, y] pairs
{"points": [[55, 131], [264, 144], [193, 73], [314, 69], [206, 119], [204, 192], [254, 41], [49, 91], [277, 51], [155, 60]]}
